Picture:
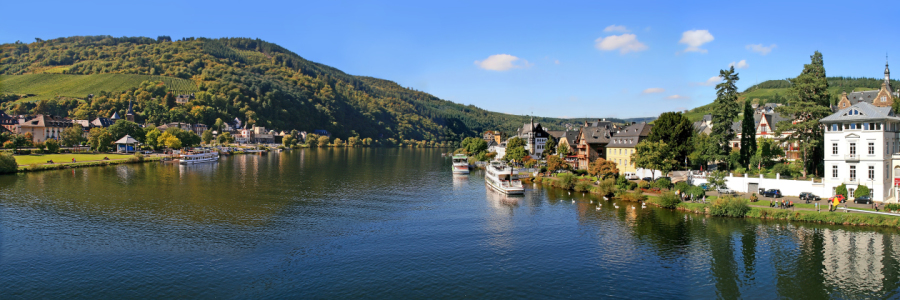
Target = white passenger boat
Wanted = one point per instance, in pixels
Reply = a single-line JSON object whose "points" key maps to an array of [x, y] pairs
{"points": [[503, 178], [460, 164], [197, 156]]}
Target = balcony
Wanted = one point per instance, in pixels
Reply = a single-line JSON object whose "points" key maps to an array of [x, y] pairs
{"points": [[851, 180], [851, 157]]}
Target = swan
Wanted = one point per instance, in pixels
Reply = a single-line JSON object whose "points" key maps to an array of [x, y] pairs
{"points": [[604, 198], [592, 201], [598, 208], [570, 193], [573, 201]]}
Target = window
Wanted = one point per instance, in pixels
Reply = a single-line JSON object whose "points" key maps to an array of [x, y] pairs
{"points": [[852, 148], [852, 172], [871, 172], [852, 125], [835, 127], [834, 171], [834, 148], [871, 148], [897, 172], [851, 191], [877, 126], [883, 99], [866, 126], [871, 126]]}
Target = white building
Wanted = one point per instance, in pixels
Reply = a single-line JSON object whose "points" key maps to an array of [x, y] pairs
{"points": [[859, 141], [535, 138]]}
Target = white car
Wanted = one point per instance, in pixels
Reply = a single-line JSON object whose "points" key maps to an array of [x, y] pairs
{"points": [[724, 191]]}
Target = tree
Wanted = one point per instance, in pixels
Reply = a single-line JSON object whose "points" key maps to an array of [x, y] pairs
{"points": [[207, 136], [475, 146], [8, 163], [841, 190], [555, 163], [767, 151], [724, 111], [748, 134], [550, 146], [287, 141], [808, 103], [52, 146], [225, 138], [338, 142], [352, 141], [717, 179], [187, 138], [72, 136], [170, 100], [312, 140], [861, 190], [515, 150], [675, 130], [704, 150], [100, 139], [603, 168], [152, 138], [323, 140], [169, 140], [563, 149], [654, 156], [122, 128], [218, 125]]}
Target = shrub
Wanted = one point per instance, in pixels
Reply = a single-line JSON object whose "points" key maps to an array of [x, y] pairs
{"points": [[862, 190], [52, 146], [729, 207], [841, 190], [8, 163], [663, 183], [138, 157], [583, 186], [682, 186], [565, 181], [754, 197], [643, 184], [622, 183], [668, 200], [892, 206], [607, 187], [632, 185], [635, 196]]}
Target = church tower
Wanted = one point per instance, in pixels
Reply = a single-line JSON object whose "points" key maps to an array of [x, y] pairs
{"points": [[130, 114]]}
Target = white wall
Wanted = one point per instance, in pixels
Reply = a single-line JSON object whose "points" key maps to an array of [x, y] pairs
{"points": [[787, 187]]}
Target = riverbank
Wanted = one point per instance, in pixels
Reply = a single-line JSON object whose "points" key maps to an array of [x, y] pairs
{"points": [[130, 159], [804, 214]]}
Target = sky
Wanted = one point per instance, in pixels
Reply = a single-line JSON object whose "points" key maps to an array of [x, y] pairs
{"points": [[548, 58]]}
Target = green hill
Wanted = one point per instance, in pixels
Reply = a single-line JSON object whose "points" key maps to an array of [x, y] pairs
{"points": [[777, 91], [50, 86], [258, 82]]}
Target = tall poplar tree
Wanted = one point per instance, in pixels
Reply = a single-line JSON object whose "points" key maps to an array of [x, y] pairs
{"points": [[748, 135], [725, 110], [808, 102]]}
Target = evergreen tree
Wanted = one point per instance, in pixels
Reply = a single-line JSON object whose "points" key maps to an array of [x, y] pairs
{"points": [[725, 110], [748, 135], [807, 104]]}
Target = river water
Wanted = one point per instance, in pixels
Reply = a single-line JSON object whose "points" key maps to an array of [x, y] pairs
{"points": [[395, 223]]}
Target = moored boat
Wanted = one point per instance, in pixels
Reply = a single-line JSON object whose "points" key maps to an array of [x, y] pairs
{"points": [[197, 156], [503, 178], [460, 164]]}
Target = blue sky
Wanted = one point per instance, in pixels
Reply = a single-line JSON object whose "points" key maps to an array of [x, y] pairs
{"points": [[559, 59]]}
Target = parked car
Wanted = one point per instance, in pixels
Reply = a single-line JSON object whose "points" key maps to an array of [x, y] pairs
{"points": [[724, 191], [863, 200], [648, 179], [809, 197], [773, 193], [631, 176], [704, 186]]}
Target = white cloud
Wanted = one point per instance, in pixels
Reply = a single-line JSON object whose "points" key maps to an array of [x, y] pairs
{"points": [[624, 43], [739, 65], [762, 50], [678, 97], [711, 81], [615, 28], [653, 90], [694, 39], [502, 62]]}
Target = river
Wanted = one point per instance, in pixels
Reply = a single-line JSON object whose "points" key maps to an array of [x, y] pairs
{"points": [[395, 223]]}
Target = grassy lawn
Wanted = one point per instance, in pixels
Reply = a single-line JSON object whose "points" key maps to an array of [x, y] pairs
{"points": [[23, 160]]}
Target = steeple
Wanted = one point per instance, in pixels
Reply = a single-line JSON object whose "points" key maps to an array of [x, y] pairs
{"points": [[887, 75], [129, 115]]}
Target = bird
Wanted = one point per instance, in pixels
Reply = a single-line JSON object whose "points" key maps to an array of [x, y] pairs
{"points": [[573, 201], [592, 201], [598, 208], [643, 205], [616, 206], [632, 207], [570, 193], [604, 198]]}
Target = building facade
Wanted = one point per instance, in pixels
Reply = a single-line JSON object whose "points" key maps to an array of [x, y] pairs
{"points": [[535, 138], [859, 143], [623, 143]]}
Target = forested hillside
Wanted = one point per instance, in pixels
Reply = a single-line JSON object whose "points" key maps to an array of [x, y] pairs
{"points": [[777, 91], [258, 82]]}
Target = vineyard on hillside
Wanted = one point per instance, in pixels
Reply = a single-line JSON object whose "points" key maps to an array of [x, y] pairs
{"points": [[49, 86]]}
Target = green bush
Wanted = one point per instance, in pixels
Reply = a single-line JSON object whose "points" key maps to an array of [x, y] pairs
{"points": [[607, 187], [565, 181], [861, 191], [8, 163], [892, 206], [663, 183], [682, 186], [138, 157], [729, 207], [583, 186], [634, 196], [668, 200], [841, 190], [643, 184]]}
